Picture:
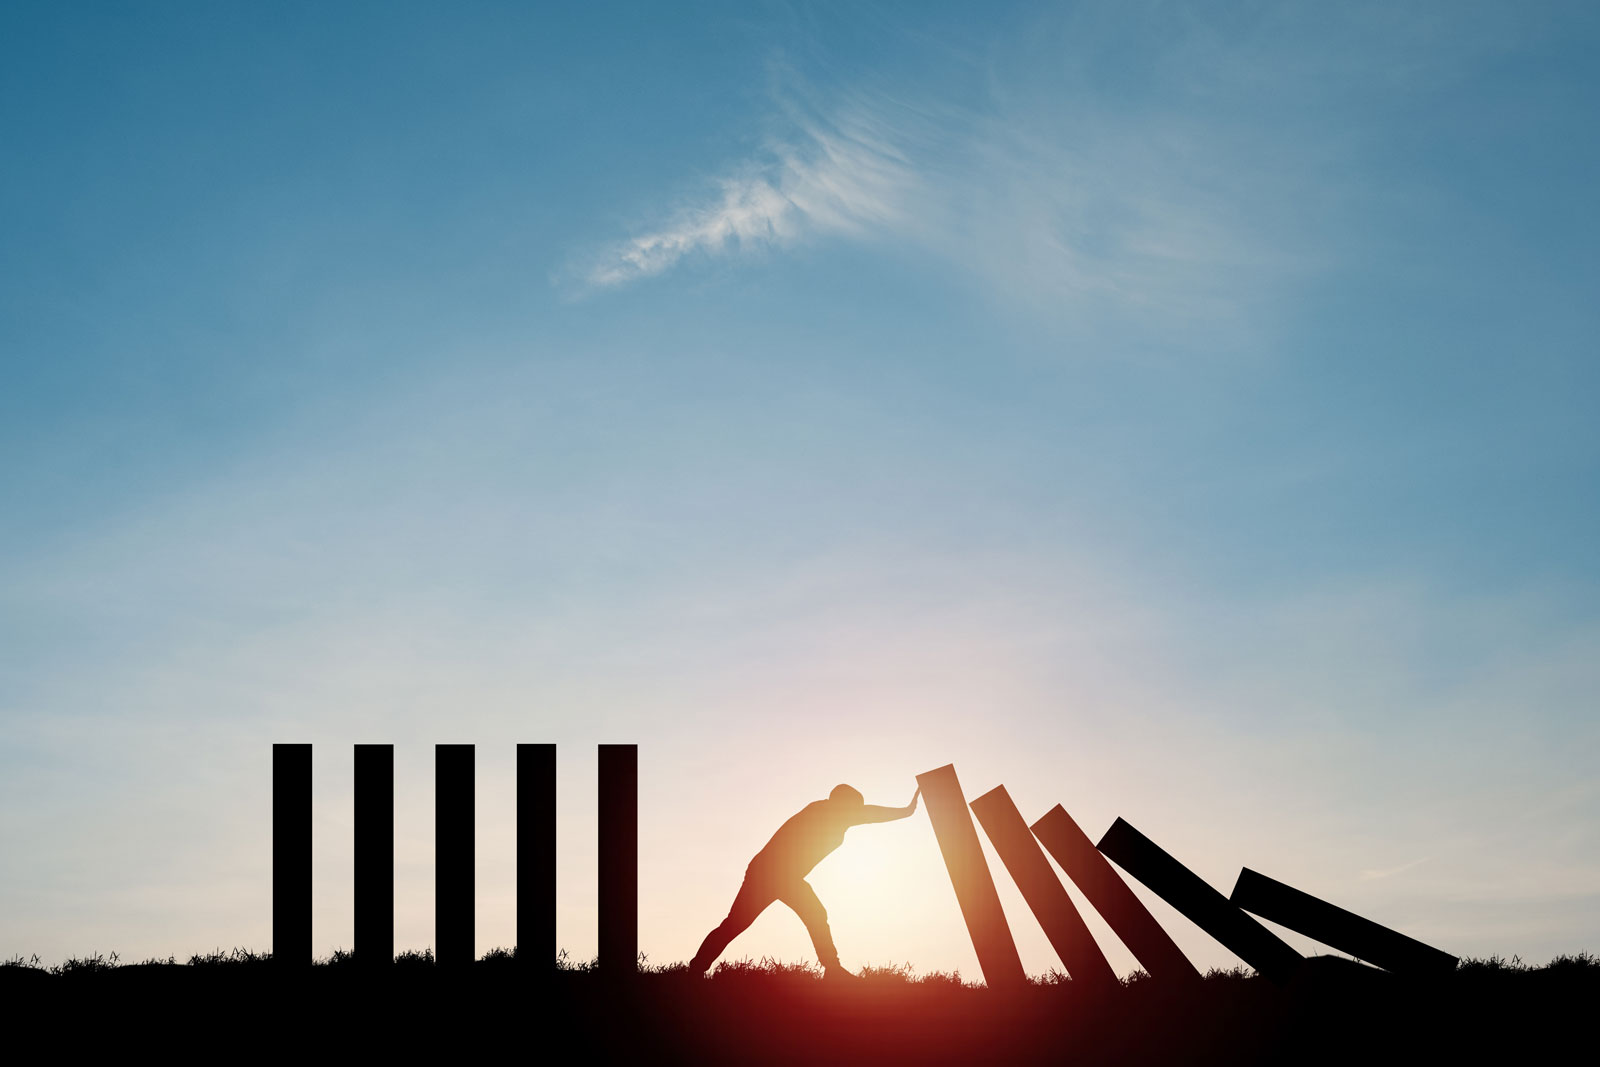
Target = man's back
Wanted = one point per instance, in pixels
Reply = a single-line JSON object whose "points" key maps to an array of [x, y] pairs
{"points": [[803, 841]]}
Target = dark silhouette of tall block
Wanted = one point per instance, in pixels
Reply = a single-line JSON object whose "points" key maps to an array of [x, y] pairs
{"points": [[536, 856], [969, 874], [1130, 920], [1043, 891], [619, 859], [1333, 926], [374, 851], [1200, 903], [454, 856], [291, 855]]}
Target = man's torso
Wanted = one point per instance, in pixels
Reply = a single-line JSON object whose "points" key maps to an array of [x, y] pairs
{"points": [[800, 843]]}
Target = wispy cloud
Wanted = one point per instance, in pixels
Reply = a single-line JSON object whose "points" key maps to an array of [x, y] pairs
{"points": [[842, 175], [1175, 201], [1027, 193], [1372, 875]]}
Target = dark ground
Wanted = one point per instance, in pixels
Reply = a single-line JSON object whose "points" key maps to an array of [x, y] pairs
{"points": [[236, 1005]]}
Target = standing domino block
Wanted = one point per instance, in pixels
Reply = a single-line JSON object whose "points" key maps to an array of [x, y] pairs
{"points": [[619, 859], [536, 857], [291, 856], [454, 851], [374, 855]]}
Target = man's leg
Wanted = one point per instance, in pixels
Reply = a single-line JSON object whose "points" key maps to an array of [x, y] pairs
{"points": [[752, 900], [803, 899]]}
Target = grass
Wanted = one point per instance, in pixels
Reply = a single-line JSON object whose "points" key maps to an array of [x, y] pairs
{"points": [[765, 968], [766, 1010]]}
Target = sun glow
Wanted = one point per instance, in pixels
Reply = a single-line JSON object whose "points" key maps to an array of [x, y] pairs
{"points": [[886, 889]]}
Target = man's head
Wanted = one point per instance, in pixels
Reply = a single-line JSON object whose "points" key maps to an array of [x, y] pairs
{"points": [[846, 796]]}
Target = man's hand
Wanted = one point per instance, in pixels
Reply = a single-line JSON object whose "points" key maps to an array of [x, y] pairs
{"points": [[876, 813]]}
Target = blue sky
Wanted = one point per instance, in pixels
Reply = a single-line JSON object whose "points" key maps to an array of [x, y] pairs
{"points": [[1174, 413]]}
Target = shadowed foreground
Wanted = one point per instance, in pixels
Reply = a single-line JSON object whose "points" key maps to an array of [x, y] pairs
{"points": [[1335, 1012]]}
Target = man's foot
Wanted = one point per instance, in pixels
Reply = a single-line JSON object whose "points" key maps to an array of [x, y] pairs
{"points": [[837, 973]]}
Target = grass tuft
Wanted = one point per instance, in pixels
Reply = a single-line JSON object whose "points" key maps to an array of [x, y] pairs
{"points": [[1582, 965]]}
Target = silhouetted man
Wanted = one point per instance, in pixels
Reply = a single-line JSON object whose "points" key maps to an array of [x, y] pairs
{"points": [[779, 873]]}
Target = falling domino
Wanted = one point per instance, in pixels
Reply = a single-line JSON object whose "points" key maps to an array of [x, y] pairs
{"points": [[1111, 897], [1043, 891], [969, 874], [1340, 929], [1200, 903]]}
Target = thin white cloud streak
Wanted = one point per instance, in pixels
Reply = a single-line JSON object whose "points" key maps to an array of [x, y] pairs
{"points": [[845, 177], [1370, 875], [1039, 207], [1188, 204]]}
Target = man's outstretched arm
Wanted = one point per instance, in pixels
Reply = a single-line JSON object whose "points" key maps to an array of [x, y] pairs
{"points": [[879, 813]]}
